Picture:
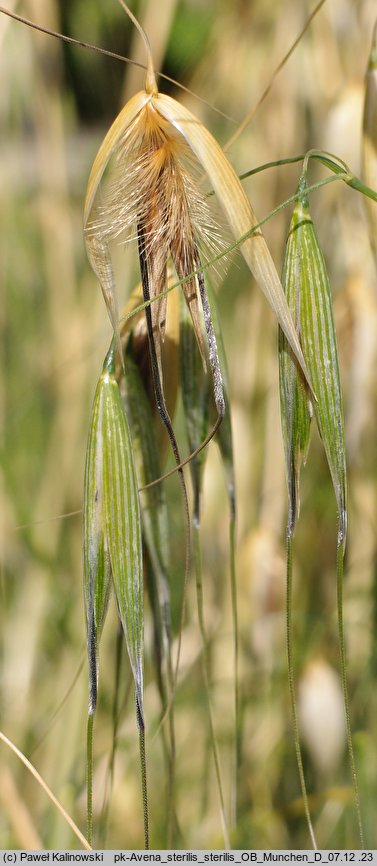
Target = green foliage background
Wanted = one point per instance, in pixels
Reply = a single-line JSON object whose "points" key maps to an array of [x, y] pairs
{"points": [[55, 105]]}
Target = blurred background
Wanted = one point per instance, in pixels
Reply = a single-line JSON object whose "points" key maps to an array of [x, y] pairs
{"points": [[56, 102]]}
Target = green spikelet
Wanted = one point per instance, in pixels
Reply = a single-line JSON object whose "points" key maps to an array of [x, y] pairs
{"points": [[294, 403], [112, 548], [309, 297], [112, 526], [97, 569]]}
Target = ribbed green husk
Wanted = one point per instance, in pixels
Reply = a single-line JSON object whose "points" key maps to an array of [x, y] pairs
{"points": [[295, 406], [97, 570], [112, 525], [309, 298]]}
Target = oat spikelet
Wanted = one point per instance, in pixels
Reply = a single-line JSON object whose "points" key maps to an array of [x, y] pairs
{"points": [[155, 196]]}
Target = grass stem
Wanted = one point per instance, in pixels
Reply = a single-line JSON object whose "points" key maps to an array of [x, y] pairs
{"points": [[89, 770], [205, 669], [292, 692], [29, 766], [237, 704], [143, 766], [115, 723], [343, 674]]}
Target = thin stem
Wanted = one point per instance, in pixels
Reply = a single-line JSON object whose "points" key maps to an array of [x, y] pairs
{"points": [[172, 819], [289, 160], [143, 767], [115, 723], [276, 71], [89, 787], [179, 466], [205, 670], [343, 674], [237, 703], [334, 163], [29, 766], [80, 43], [158, 590], [292, 691], [331, 162], [150, 84]]}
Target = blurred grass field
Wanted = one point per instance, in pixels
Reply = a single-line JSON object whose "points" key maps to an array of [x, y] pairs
{"points": [[56, 102]]}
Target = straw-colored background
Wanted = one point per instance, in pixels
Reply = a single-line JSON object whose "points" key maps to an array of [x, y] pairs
{"points": [[55, 105]]}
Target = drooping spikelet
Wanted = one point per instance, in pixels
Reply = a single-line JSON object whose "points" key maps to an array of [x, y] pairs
{"points": [[156, 198], [309, 296], [112, 531]]}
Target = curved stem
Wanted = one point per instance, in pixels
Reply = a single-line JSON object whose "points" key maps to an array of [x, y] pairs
{"points": [[80, 43], [29, 766]]}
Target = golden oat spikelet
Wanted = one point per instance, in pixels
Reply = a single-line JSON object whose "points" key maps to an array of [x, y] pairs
{"points": [[160, 148]]}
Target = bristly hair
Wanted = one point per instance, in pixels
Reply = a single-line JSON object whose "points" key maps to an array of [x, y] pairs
{"points": [[155, 189]]}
